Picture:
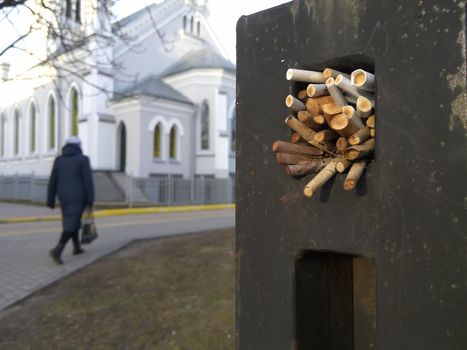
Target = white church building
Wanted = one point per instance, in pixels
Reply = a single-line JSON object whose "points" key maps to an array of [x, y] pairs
{"points": [[160, 105]]}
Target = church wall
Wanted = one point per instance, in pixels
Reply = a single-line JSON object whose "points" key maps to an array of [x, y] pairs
{"points": [[98, 125], [167, 114], [97, 137], [107, 141], [218, 88], [127, 114], [97, 121], [38, 161]]}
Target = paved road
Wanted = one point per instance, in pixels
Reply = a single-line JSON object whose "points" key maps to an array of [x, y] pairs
{"points": [[26, 267]]}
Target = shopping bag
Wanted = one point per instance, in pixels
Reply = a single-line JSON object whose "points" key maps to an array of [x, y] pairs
{"points": [[89, 232]]}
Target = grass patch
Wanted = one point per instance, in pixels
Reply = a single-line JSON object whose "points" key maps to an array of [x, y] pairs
{"points": [[174, 293]]}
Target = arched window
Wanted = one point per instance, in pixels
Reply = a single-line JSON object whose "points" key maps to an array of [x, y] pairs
{"points": [[32, 128], [233, 131], [68, 8], [2, 135], [16, 120], [198, 28], [192, 23], [74, 112], [156, 151], [184, 22], [173, 143], [204, 125], [52, 122], [78, 11]]}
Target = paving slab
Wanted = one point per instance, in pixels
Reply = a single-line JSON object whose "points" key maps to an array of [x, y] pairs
{"points": [[25, 265]]}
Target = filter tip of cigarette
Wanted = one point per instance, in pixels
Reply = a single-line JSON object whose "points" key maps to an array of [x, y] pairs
{"points": [[339, 121], [287, 119], [319, 119], [340, 167], [370, 122], [289, 74], [358, 77], [331, 108], [363, 104], [318, 137], [327, 72], [329, 81], [348, 110], [354, 140], [349, 185], [351, 154], [308, 191], [338, 79], [289, 100], [275, 144], [310, 90]]}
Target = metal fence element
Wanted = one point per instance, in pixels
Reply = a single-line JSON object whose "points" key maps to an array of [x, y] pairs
{"points": [[175, 191], [167, 191]]}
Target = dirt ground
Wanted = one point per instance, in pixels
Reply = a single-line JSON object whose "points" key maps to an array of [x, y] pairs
{"points": [[174, 293]]}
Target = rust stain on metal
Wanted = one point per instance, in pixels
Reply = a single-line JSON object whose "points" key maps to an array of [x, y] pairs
{"points": [[285, 199], [458, 81]]}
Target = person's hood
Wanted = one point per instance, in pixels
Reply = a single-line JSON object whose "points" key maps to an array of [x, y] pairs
{"points": [[70, 150]]}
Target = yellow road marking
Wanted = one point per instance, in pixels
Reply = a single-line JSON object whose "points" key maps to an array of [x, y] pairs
{"points": [[125, 212], [116, 224]]}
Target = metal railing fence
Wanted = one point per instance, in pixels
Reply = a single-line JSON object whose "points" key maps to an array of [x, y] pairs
{"points": [[167, 191]]}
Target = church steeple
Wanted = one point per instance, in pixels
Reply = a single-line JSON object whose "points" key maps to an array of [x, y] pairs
{"points": [[73, 10], [201, 6], [66, 28]]}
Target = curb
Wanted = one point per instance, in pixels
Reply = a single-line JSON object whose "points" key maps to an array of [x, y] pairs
{"points": [[123, 212]]}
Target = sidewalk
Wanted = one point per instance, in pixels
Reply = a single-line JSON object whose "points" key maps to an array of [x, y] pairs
{"points": [[11, 210], [26, 266]]}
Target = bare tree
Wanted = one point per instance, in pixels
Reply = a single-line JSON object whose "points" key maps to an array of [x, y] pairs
{"points": [[74, 44]]}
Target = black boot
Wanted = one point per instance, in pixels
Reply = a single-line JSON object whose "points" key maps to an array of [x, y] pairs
{"points": [[76, 246], [56, 253]]}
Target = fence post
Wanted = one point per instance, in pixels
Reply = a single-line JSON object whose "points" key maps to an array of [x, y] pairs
{"points": [[169, 190], [127, 189], [229, 190], [202, 191], [130, 190], [31, 189], [15, 188], [192, 190]]}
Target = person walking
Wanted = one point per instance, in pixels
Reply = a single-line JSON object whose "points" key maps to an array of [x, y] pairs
{"points": [[70, 180]]}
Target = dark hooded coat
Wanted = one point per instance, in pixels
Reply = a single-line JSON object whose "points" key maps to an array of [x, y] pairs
{"points": [[71, 180]]}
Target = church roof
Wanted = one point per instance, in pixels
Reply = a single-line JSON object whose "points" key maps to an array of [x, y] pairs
{"points": [[134, 16], [202, 59], [154, 87]]}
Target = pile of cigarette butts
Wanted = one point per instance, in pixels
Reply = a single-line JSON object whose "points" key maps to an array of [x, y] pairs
{"points": [[333, 125]]}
